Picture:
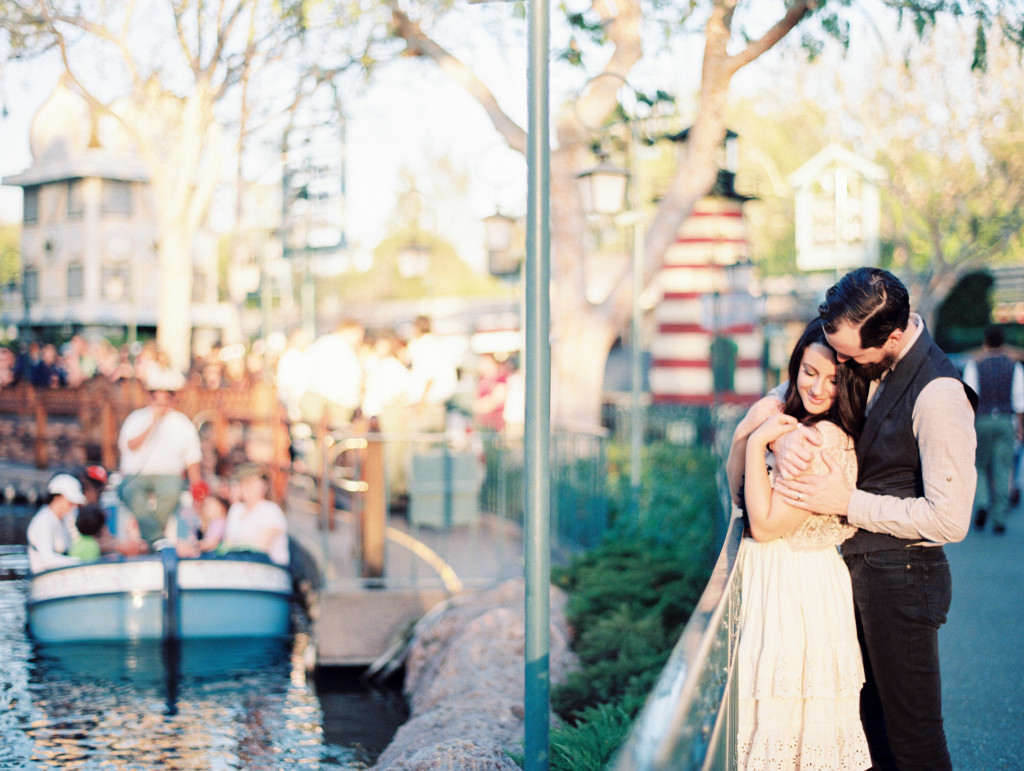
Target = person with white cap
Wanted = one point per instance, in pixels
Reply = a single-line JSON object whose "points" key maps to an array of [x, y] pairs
{"points": [[48, 536], [159, 446]]}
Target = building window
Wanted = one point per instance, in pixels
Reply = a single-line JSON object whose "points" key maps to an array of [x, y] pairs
{"points": [[76, 282], [116, 281], [32, 285], [31, 204], [117, 197], [76, 199]]}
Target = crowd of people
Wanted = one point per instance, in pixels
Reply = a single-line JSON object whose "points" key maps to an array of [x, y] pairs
{"points": [[400, 383], [75, 525]]}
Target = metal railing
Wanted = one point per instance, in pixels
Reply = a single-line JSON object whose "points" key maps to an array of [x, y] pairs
{"points": [[689, 719], [442, 501], [579, 484]]}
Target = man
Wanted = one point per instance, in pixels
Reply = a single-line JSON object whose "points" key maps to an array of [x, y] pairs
{"points": [[915, 488], [334, 387], [434, 378], [159, 446], [999, 381]]}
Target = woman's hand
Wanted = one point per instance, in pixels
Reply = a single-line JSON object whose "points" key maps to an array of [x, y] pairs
{"points": [[772, 428], [758, 413]]}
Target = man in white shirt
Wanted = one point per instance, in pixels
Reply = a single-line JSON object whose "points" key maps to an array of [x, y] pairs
{"points": [[159, 446], [434, 378]]}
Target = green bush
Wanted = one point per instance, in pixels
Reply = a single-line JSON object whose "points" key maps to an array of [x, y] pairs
{"points": [[630, 596], [591, 744]]}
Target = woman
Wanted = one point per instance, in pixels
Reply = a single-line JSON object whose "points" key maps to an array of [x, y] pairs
{"points": [[799, 666], [253, 521]]}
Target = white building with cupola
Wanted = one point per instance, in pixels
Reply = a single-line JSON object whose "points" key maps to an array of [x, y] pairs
{"points": [[89, 231]]}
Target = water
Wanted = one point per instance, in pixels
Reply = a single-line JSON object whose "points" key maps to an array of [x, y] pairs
{"points": [[210, 705]]}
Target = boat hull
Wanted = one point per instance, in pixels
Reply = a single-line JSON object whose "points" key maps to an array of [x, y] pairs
{"points": [[160, 597]]}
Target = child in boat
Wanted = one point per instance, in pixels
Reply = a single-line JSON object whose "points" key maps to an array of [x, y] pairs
{"points": [[91, 522]]}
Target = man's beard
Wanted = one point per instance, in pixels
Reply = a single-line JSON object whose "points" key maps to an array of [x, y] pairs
{"points": [[874, 370]]}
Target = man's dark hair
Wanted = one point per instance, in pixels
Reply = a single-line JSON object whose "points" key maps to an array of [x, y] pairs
{"points": [[994, 337], [872, 298], [90, 519]]}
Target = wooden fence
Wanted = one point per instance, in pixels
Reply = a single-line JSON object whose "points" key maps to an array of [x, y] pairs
{"points": [[69, 427]]}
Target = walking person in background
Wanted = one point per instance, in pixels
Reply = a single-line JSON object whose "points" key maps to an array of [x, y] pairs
{"points": [[159, 447], [433, 380], [914, 493], [798, 661], [999, 382]]}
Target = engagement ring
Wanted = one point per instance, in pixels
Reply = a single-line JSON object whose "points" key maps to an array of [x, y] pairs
{"points": [[799, 497]]}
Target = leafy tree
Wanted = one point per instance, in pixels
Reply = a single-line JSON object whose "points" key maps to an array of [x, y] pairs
{"points": [[10, 255], [389, 279], [614, 35], [961, 319], [953, 145]]}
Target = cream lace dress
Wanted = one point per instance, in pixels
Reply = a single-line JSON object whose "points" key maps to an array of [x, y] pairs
{"points": [[799, 667]]}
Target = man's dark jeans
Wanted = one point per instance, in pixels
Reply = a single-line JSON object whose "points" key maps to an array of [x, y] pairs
{"points": [[901, 599]]}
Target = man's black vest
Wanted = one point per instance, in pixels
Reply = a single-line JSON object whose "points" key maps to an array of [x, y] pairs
{"points": [[888, 461]]}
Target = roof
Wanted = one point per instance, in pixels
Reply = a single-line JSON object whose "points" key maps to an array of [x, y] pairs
{"points": [[836, 155]]}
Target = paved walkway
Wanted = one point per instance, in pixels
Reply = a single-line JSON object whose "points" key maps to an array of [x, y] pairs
{"points": [[469, 557], [982, 650]]}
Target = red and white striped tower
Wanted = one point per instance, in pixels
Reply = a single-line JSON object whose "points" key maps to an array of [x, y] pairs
{"points": [[705, 294]]}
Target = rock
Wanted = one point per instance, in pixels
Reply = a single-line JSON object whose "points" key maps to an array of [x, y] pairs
{"points": [[464, 683]]}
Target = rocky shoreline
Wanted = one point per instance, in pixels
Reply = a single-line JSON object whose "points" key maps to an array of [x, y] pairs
{"points": [[464, 677]]}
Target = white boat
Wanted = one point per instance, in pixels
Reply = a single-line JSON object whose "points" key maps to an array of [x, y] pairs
{"points": [[161, 597]]}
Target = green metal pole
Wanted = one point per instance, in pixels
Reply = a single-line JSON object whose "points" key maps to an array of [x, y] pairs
{"points": [[538, 399]]}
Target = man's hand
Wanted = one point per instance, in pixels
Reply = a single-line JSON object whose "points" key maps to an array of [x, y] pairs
{"points": [[793, 451], [819, 494]]}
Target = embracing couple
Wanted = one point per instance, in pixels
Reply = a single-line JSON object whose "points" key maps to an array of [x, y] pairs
{"points": [[869, 447]]}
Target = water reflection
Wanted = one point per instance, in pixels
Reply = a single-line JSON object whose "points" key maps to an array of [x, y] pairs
{"points": [[227, 704]]}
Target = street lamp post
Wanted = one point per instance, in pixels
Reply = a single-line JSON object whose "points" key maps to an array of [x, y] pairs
{"points": [[604, 191], [537, 434]]}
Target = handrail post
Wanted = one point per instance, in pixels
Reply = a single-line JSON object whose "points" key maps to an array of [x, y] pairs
{"points": [[326, 490], [373, 514], [41, 428], [108, 435], [281, 441]]}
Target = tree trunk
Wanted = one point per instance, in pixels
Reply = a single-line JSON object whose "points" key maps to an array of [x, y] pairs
{"points": [[174, 308], [578, 360]]}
